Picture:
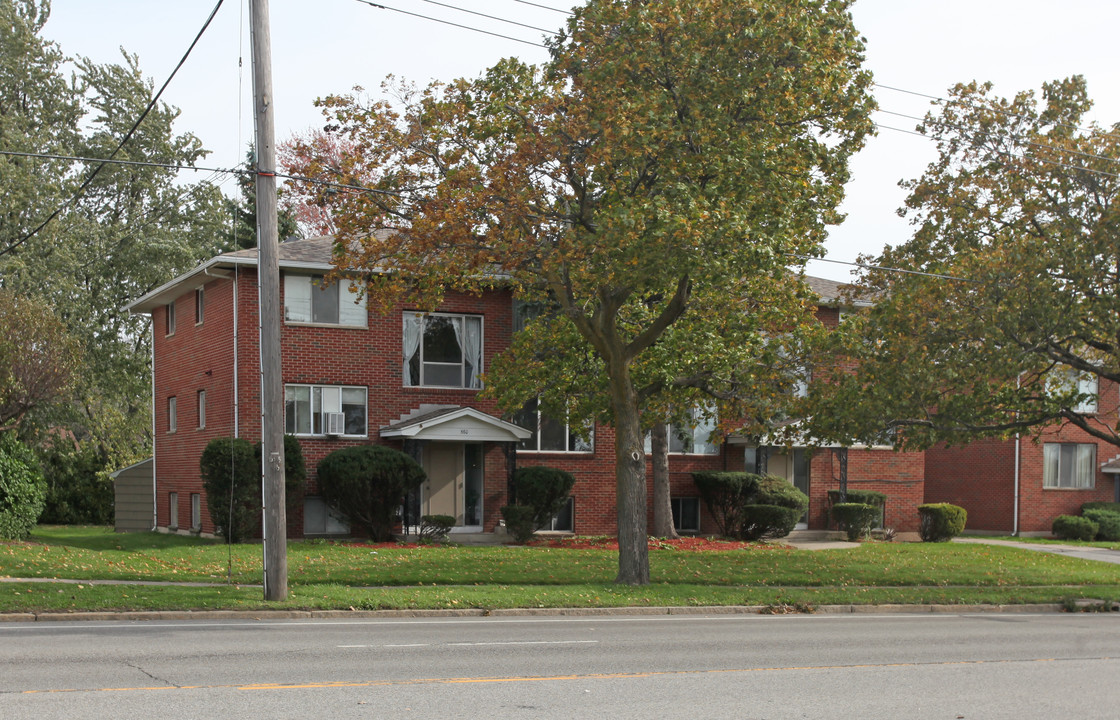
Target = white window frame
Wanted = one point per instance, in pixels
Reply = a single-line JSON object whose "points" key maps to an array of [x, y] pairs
{"points": [[316, 420], [172, 511], [172, 414], [1057, 473], [701, 431], [468, 382], [299, 307], [169, 318], [201, 409], [1062, 381], [196, 511], [571, 439]]}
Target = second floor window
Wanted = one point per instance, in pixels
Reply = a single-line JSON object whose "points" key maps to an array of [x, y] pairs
{"points": [[324, 410], [442, 350], [309, 299], [549, 434]]}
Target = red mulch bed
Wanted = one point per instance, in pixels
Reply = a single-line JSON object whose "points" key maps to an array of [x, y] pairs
{"points": [[694, 544]]}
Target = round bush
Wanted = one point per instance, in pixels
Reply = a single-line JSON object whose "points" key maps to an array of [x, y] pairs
{"points": [[855, 518], [543, 489], [23, 492], [768, 521], [231, 476], [940, 522], [725, 494], [519, 522], [1108, 524], [1073, 527], [774, 490], [295, 471], [368, 483]]}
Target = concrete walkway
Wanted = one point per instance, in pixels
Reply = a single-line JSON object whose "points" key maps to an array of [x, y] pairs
{"points": [[1076, 551]]}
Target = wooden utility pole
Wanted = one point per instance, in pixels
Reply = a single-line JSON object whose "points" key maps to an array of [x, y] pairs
{"points": [[268, 278]]}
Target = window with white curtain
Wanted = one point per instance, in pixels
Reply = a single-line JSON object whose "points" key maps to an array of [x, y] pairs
{"points": [[1069, 465], [309, 299], [1068, 380], [442, 350]]}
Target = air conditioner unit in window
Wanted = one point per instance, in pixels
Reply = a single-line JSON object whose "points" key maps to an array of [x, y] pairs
{"points": [[336, 423]]}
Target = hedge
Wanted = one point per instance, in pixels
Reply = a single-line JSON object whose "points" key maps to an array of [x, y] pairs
{"points": [[768, 521], [368, 483], [1108, 524], [1073, 527], [940, 522], [855, 518]]}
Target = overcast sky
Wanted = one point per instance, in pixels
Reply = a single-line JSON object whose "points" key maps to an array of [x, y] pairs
{"points": [[322, 47]]}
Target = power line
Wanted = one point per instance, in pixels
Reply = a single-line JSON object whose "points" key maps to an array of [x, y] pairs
{"points": [[544, 7], [1045, 146], [1009, 154], [974, 103], [880, 267], [111, 161], [453, 24], [89, 179], [490, 17]]}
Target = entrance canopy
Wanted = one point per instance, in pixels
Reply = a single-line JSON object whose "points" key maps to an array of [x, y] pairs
{"points": [[454, 423]]}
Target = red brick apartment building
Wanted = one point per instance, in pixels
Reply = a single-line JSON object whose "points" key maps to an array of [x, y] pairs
{"points": [[411, 381]]}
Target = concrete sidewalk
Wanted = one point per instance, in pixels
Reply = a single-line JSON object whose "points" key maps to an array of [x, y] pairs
{"points": [[1076, 551]]}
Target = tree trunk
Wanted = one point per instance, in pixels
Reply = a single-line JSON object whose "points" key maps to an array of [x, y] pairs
{"points": [[662, 504], [630, 474]]}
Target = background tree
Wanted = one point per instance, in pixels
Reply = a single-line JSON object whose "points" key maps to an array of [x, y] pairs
{"points": [[667, 150], [131, 230], [243, 229], [37, 357], [1021, 208]]}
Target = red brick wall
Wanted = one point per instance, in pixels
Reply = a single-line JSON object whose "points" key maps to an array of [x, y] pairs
{"points": [[980, 477], [900, 475], [203, 358]]}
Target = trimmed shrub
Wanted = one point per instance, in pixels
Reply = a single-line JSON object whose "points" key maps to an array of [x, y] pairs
{"points": [[725, 494], [1108, 524], [295, 471], [519, 522], [1112, 507], [23, 492], [940, 522], [874, 498], [368, 483], [231, 476], [543, 489], [855, 518], [768, 521], [774, 490], [1074, 527], [434, 528]]}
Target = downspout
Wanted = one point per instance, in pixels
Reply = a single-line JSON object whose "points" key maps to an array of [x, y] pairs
{"points": [[236, 367], [152, 359], [1015, 511]]}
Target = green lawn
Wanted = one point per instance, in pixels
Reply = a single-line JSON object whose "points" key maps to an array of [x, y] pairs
{"points": [[325, 575]]}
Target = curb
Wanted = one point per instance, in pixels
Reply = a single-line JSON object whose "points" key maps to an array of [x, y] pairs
{"points": [[180, 615]]}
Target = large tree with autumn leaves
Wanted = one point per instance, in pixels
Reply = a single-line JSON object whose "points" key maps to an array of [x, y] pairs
{"points": [[1010, 320], [666, 153]]}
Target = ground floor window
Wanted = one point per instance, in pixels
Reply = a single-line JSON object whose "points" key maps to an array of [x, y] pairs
{"points": [[321, 519], [1069, 465], [564, 520], [686, 514], [173, 511], [196, 511]]}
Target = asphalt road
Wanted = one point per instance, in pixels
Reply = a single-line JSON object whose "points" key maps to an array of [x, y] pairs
{"points": [[981, 666]]}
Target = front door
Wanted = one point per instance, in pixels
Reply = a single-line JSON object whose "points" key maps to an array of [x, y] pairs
{"points": [[443, 462], [454, 485], [793, 466]]}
